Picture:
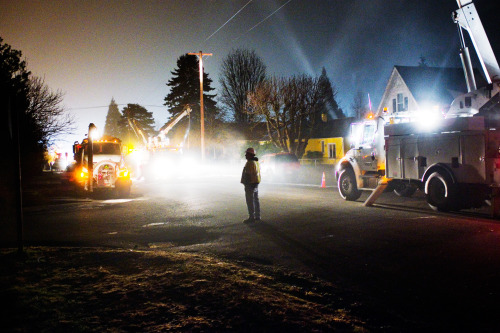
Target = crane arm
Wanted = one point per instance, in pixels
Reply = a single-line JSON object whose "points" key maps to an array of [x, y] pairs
{"points": [[172, 122], [467, 18], [137, 130]]}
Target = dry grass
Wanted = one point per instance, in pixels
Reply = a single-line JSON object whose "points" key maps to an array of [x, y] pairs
{"points": [[112, 290]]}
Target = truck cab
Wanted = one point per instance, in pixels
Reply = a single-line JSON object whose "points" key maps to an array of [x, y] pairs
{"points": [[109, 171], [364, 164]]}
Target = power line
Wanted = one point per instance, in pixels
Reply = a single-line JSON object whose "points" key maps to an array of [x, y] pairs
{"points": [[255, 26], [89, 107], [222, 26], [105, 106]]}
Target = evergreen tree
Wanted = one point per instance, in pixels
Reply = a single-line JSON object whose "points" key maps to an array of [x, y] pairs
{"points": [[14, 88], [141, 119], [329, 93], [185, 89], [112, 125]]}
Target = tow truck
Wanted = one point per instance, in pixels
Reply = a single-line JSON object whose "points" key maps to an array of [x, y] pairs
{"points": [[456, 163], [109, 172], [157, 158]]}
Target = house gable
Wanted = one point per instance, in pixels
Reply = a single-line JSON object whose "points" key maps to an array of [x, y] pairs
{"points": [[411, 89], [396, 104]]}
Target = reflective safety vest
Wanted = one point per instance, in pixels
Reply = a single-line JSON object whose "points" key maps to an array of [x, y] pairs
{"points": [[251, 173]]}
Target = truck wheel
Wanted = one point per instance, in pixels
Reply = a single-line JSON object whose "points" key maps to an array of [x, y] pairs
{"points": [[404, 189], [347, 186], [440, 192], [122, 191]]}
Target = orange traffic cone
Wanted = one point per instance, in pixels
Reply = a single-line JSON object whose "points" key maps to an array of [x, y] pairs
{"points": [[323, 185]]}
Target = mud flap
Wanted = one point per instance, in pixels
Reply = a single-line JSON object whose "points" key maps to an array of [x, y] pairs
{"points": [[382, 185]]}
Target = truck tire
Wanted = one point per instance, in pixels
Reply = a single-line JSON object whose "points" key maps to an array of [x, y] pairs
{"points": [[440, 192], [404, 189], [347, 186], [122, 191]]}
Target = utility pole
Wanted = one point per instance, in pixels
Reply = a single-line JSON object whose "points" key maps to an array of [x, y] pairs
{"points": [[202, 117]]}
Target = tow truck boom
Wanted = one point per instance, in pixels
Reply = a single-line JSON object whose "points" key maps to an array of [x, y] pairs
{"points": [[137, 131], [172, 122]]}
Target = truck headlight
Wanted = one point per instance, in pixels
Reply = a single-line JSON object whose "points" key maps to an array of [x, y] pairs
{"points": [[84, 173], [123, 173]]}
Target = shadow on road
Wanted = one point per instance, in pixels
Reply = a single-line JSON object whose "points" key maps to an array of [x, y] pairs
{"points": [[307, 255]]}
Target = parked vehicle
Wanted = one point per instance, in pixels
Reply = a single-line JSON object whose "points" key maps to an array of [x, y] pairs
{"points": [[279, 166]]}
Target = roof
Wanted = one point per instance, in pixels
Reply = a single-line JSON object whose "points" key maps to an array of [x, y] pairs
{"points": [[252, 131], [435, 83], [334, 128]]}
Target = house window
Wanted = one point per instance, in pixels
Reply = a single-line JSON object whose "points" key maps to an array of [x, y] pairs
{"points": [[332, 151], [402, 103], [394, 110], [322, 147]]}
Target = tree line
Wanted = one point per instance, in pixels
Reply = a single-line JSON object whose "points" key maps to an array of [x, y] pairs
{"points": [[33, 116], [290, 108]]}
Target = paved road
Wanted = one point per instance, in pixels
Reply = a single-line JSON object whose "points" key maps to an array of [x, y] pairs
{"points": [[426, 270]]}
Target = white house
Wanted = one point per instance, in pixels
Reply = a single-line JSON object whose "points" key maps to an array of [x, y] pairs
{"points": [[413, 90]]}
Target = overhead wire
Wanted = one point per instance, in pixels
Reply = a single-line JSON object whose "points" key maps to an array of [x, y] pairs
{"points": [[222, 26], [255, 26], [105, 106], [218, 29]]}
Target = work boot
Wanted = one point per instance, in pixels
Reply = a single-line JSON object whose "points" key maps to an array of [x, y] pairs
{"points": [[249, 220]]}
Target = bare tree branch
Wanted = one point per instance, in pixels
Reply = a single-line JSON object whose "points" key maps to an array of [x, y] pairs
{"points": [[290, 107], [46, 110], [241, 72]]}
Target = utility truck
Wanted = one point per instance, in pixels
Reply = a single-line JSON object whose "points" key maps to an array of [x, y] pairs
{"points": [[456, 160], [108, 171], [159, 159]]}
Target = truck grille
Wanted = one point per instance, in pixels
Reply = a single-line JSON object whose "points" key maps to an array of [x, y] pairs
{"points": [[105, 175]]}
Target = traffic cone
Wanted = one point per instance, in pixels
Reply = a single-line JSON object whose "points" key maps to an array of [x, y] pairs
{"points": [[323, 185]]}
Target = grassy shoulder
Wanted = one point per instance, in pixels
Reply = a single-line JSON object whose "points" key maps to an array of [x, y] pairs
{"points": [[119, 290]]}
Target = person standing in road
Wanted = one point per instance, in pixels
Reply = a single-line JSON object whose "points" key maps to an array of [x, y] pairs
{"points": [[250, 178]]}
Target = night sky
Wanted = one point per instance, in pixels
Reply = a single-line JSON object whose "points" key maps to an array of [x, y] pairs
{"points": [[97, 50]]}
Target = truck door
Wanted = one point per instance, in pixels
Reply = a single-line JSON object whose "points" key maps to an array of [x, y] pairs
{"points": [[368, 152]]}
